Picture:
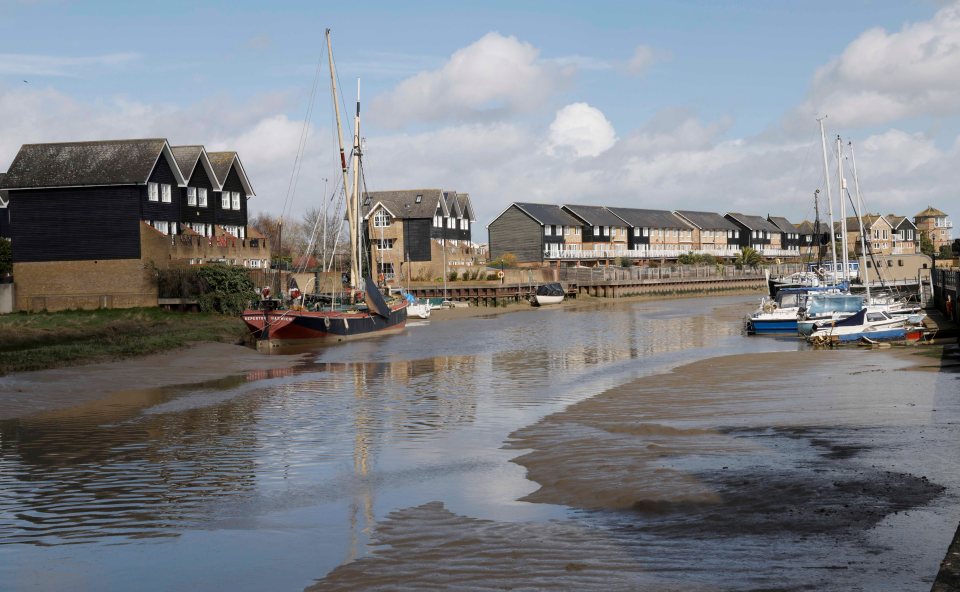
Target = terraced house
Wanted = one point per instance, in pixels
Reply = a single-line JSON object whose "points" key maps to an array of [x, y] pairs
{"points": [[657, 232], [91, 222]]}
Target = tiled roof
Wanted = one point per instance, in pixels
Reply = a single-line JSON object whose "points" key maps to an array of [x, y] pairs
{"points": [[753, 222], [898, 221], [594, 215], [403, 204], [930, 212], [782, 223], [707, 220], [221, 163], [187, 157], [641, 218], [72, 164], [548, 214]]}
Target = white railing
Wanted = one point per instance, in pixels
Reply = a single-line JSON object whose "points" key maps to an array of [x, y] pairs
{"points": [[944, 224], [656, 254]]}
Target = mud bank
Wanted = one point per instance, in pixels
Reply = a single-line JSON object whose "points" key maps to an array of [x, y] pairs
{"points": [[788, 471], [26, 393]]}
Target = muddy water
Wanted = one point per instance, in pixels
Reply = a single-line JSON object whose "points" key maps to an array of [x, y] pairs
{"points": [[622, 446]]}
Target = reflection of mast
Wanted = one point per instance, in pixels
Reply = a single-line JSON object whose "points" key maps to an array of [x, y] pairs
{"points": [[361, 463]]}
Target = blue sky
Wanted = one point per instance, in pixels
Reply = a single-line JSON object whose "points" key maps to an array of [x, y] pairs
{"points": [[695, 105]]}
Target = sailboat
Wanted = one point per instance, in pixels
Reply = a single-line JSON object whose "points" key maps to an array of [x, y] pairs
{"points": [[365, 312]]}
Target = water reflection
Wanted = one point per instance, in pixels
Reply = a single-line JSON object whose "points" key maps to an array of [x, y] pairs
{"points": [[418, 413]]}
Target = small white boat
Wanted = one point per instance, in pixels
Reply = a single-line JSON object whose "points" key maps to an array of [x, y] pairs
{"points": [[549, 294], [875, 325], [418, 309]]}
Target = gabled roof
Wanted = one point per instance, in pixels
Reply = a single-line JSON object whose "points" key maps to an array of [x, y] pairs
{"points": [[544, 214], [853, 225], [187, 159], [807, 227], [898, 221], [930, 212], [450, 197], [78, 164], [782, 223], [594, 215], [222, 162], [707, 220], [3, 194], [641, 218], [403, 204], [752, 222], [460, 203]]}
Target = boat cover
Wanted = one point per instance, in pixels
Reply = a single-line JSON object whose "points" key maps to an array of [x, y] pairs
{"points": [[374, 299], [552, 289], [819, 304]]}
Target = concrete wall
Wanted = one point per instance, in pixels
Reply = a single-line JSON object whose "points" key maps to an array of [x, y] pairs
{"points": [[7, 299]]}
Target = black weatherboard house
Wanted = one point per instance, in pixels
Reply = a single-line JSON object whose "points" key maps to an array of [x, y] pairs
{"points": [[789, 234], [91, 222], [85, 200], [4, 211], [528, 229], [755, 232], [599, 224]]}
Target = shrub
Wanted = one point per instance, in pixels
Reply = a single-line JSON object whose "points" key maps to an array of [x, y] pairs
{"points": [[492, 275], [6, 256], [226, 289], [452, 276]]}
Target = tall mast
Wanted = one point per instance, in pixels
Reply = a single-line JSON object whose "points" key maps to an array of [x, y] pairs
{"points": [[356, 265], [843, 213], [859, 210], [336, 110], [816, 226], [826, 176]]}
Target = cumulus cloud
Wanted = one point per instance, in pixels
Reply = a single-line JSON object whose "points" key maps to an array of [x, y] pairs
{"points": [[496, 75], [883, 77], [580, 130]]}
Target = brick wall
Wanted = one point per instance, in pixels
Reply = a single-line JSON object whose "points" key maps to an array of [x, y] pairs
{"points": [[63, 285]]}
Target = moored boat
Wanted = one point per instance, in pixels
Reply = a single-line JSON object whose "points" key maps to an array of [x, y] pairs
{"points": [[552, 293], [367, 313]]}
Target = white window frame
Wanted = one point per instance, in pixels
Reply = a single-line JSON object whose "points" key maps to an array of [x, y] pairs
{"points": [[153, 192], [191, 196], [166, 195], [201, 197], [235, 200], [225, 200], [381, 219], [450, 222], [547, 229]]}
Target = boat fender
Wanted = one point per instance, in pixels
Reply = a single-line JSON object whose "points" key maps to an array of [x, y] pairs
{"points": [[346, 324], [326, 322], [500, 274]]}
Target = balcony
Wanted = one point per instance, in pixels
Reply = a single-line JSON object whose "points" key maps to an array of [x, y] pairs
{"points": [[588, 254]]}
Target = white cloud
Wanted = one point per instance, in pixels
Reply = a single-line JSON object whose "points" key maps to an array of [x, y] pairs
{"points": [[580, 130], [643, 57], [496, 75], [883, 77], [28, 65]]}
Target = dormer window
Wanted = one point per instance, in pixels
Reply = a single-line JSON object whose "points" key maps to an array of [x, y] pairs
{"points": [[419, 198], [381, 219], [191, 196]]}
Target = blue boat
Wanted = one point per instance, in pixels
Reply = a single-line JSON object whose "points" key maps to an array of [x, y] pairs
{"points": [[779, 315]]}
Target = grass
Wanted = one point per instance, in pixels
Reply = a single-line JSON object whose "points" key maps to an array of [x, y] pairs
{"points": [[34, 341]]}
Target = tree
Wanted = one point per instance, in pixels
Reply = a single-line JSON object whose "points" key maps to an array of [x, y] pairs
{"points": [[748, 257], [926, 245], [504, 261], [6, 256], [329, 234]]}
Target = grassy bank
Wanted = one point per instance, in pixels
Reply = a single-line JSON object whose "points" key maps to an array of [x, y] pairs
{"points": [[34, 341]]}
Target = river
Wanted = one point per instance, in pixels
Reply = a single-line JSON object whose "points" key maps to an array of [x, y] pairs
{"points": [[622, 445]]}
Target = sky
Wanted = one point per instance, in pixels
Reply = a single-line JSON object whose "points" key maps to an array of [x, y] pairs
{"points": [[698, 105]]}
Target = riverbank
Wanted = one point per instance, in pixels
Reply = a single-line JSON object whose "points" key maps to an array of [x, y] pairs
{"points": [[37, 341]]}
